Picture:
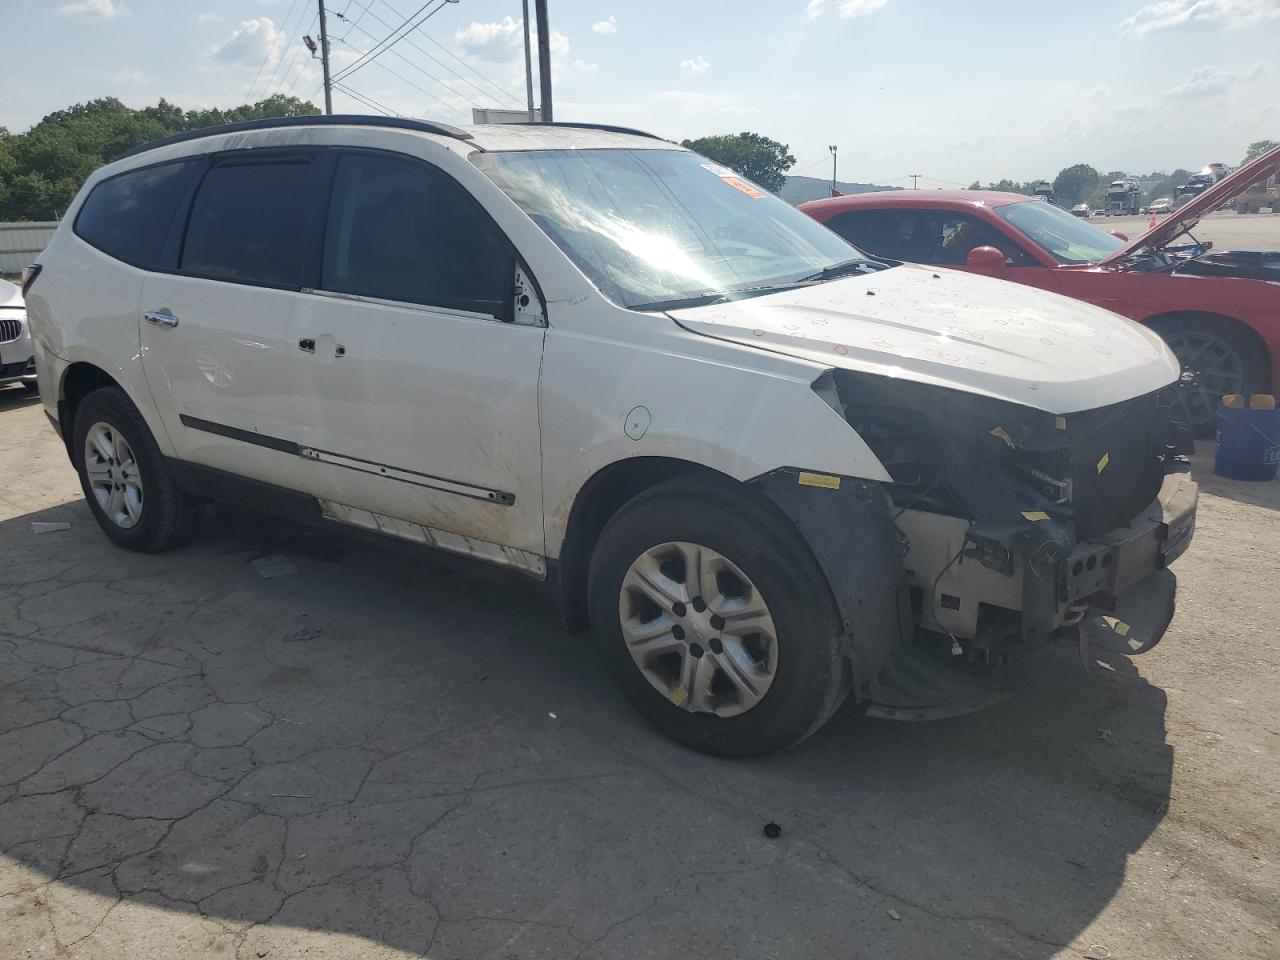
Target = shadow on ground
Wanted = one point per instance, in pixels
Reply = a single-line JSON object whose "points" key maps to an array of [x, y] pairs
{"points": [[397, 752], [1261, 493], [13, 396]]}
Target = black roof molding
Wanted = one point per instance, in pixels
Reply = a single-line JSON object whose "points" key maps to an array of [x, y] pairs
{"points": [[606, 127], [334, 120]]}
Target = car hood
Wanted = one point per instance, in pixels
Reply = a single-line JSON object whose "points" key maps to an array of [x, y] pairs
{"points": [[1185, 217], [10, 294], [954, 330]]}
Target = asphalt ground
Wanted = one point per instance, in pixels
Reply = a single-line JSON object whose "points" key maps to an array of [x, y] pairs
{"points": [[378, 756]]}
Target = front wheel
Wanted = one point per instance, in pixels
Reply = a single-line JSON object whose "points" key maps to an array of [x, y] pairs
{"points": [[1216, 360], [716, 620], [124, 476]]}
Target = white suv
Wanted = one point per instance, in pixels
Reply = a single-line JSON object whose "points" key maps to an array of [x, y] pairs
{"points": [[768, 471]]}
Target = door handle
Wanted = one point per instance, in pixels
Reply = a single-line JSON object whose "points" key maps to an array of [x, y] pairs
{"points": [[307, 345], [161, 318]]}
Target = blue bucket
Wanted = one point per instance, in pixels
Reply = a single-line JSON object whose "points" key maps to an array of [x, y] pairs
{"points": [[1248, 444]]}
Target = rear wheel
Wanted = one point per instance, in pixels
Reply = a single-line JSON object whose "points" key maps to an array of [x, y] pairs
{"points": [[1216, 360], [125, 478], [716, 620]]}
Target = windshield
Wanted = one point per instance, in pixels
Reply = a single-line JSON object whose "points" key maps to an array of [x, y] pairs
{"points": [[652, 226], [1069, 239]]}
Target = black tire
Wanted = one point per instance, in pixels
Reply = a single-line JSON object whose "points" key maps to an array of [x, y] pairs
{"points": [[168, 516], [1195, 402], [810, 680]]}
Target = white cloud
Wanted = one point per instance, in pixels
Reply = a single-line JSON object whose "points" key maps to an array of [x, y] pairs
{"points": [[204, 19], [691, 68], [1256, 71], [605, 26], [844, 8], [250, 44], [104, 9], [582, 67], [1205, 82], [502, 40], [131, 75], [1200, 14]]}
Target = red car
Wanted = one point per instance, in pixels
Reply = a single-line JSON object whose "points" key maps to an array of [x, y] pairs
{"points": [[1220, 312]]}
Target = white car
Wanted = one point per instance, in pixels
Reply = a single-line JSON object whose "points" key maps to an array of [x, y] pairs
{"points": [[767, 471], [17, 359], [1162, 205]]}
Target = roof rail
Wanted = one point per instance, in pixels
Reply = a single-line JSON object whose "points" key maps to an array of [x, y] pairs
{"points": [[606, 127], [321, 120]]}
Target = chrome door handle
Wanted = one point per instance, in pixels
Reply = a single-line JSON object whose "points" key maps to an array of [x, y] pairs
{"points": [[161, 318]]}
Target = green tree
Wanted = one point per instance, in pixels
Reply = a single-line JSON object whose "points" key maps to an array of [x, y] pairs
{"points": [[1074, 183], [41, 169], [756, 157], [1257, 148]]}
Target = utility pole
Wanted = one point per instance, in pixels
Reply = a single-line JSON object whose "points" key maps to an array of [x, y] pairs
{"points": [[833, 149], [528, 64], [915, 180], [324, 61], [544, 58]]}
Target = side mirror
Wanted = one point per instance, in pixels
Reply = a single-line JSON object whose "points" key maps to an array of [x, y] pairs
{"points": [[984, 258], [1118, 235]]}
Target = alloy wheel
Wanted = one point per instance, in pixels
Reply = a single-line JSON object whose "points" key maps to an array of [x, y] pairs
{"points": [[698, 629], [114, 476], [1211, 369]]}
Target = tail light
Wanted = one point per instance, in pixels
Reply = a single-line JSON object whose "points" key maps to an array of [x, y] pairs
{"points": [[29, 275]]}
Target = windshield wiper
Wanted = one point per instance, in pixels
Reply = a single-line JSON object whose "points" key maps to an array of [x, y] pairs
{"points": [[844, 268], [680, 303]]}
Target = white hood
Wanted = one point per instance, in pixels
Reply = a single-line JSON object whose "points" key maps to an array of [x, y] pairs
{"points": [[10, 294], [951, 329]]}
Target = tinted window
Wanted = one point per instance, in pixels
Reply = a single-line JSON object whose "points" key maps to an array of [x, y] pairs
{"points": [[923, 236], [129, 216], [401, 230], [249, 222]]}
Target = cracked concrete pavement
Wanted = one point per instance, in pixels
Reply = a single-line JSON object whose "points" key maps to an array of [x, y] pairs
{"points": [[360, 759]]}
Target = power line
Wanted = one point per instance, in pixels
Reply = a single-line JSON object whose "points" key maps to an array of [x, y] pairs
{"points": [[421, 89], [493, 83], [296, 53], [271, 49], [392, 39], [268, 54], [428, 73], [368, 101]]}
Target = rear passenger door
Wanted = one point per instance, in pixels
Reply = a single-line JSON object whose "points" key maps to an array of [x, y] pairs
{"points": [[215, 327], [416, 386]]}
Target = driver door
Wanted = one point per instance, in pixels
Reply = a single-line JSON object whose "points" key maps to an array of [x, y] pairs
{"points": [[416, 390]]}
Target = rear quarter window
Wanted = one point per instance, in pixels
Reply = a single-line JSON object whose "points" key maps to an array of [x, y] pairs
{"points": [[128, 216]]}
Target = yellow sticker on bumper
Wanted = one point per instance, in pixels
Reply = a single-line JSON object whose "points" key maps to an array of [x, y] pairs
{"points": [[1102, 464], [1034, 515], [824, 480]]}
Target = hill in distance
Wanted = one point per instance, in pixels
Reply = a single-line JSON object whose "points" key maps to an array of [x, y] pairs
{"points": [[802, 189]]}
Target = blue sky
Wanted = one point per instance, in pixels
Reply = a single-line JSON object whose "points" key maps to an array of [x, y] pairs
{"points": [[954, 91]]}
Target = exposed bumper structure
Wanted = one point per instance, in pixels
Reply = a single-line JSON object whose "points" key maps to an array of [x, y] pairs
{"points": [[903, 580], [1051, 587]]}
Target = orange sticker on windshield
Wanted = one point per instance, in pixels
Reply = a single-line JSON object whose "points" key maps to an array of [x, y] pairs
{"points": [[754, 192]]}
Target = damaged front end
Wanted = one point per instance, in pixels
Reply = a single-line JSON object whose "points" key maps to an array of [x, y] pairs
{"points": [[1015, 527]]}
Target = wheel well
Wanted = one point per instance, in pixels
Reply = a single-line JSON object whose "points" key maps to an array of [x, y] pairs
{"points": [[1165, 322], [599, 499], [78, 382]]}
